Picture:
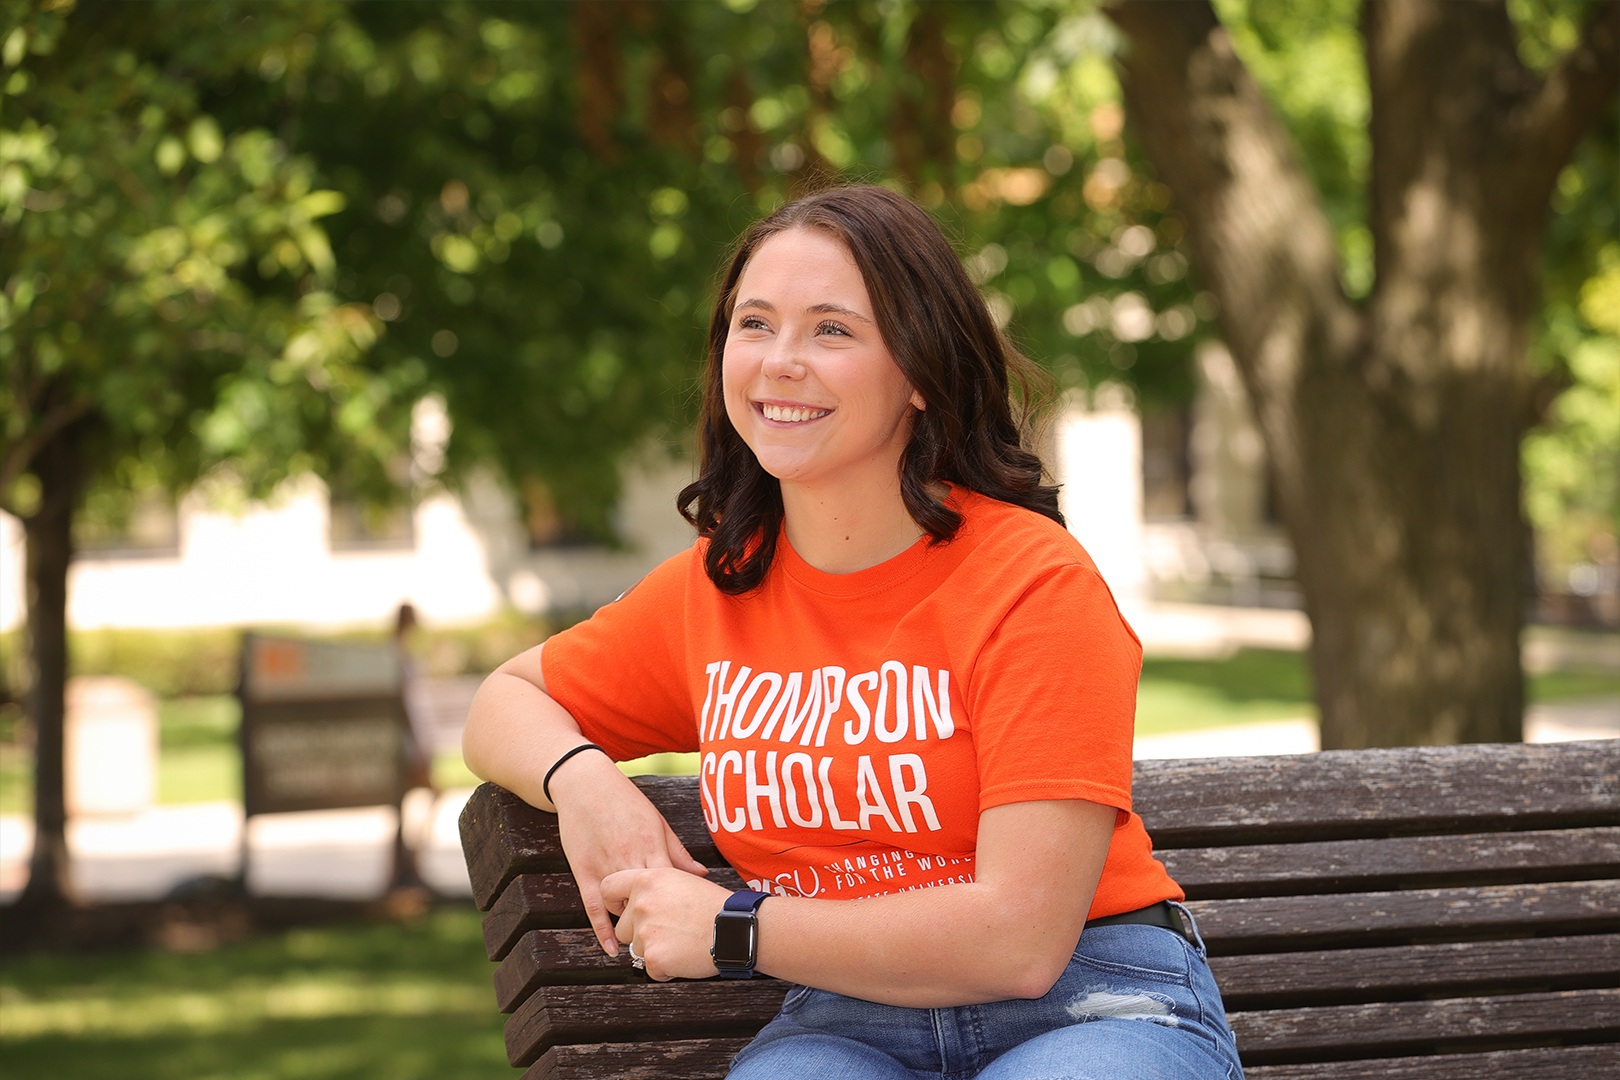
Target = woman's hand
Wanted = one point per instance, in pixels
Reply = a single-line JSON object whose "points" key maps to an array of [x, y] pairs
{"points": [[606, 826], [668, 918], [515, 733]]}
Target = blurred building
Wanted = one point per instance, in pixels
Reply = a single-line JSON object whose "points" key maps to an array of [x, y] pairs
{"points": [[1173, 507]]}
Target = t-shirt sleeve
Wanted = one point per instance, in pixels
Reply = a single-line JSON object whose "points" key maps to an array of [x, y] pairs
{"points": [[622, 673], [1053, 696]]}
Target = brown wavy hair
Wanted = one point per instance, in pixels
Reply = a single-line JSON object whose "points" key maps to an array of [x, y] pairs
{"points": [[941, 334]]}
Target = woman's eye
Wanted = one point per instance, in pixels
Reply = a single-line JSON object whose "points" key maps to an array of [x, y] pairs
{"points": [[831, 328], [750, 322]]}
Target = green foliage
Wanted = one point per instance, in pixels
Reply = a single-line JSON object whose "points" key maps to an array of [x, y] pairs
{"points": [[1572, 458], [1573, 463], [248, 236], [540, 245], [169, 663], [205, 661], [166, 276], [1307, 58], [315, 213]]}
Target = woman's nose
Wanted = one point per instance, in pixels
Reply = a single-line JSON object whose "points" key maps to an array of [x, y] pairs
{"points": [[782, 360]]}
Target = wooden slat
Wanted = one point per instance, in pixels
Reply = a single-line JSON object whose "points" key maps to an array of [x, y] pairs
{"points": [[536, 901], [502, 836], [531, 902], [708, 1059], [688, 1059], [1385, 1029], [1405, 862], [557, 958], [1456, 969], [498, 840], [564, 1015], [1538, 1063], [1341, 794], [1266, 924]]}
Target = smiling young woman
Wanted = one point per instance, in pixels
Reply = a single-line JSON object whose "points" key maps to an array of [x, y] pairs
{"points": [[911, 693], [812, 390]]}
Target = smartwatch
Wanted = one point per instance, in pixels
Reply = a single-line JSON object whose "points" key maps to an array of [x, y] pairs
{"points": [[736, 934]]}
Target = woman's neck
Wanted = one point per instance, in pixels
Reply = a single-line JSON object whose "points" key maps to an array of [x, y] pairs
{"points": [[842, 531]]}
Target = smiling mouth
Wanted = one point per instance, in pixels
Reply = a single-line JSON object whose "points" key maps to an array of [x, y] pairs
{"points": [[786, 414]]}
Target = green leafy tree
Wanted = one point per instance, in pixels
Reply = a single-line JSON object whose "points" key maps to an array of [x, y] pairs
{"points": [[541, 244], [1392, 407], [167, 304]]}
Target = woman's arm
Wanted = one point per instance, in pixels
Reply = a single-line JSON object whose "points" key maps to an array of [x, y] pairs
{"points": [[1008, 934], [515, 732]]}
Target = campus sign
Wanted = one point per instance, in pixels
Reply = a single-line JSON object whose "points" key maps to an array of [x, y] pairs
{"points": [[323, 725]]}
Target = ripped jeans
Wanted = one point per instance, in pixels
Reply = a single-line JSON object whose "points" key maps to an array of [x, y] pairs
{"points": [[1135, 1003]]}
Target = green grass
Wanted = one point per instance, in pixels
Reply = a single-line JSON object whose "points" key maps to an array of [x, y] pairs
{"points": [[1251, 686], [198, 757], [349, 1002]]}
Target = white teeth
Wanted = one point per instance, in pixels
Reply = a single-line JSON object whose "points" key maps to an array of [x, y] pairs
{"points": [[792, 415]]}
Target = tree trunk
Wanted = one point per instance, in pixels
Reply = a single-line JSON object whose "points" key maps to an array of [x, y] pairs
{"points": [[48, 535], [1392, 428]]}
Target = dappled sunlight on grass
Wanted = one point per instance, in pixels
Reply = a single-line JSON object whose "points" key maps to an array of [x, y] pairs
{"points": [[352, 1002]]}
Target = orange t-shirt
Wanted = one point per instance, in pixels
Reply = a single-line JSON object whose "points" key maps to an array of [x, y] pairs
{"points": [[852, 727]]}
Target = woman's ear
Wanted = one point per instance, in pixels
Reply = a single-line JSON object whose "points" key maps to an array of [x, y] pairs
{"points": [[917, 402]]}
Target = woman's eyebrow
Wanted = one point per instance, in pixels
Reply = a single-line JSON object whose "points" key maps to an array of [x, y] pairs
{"points": [[837, 309], [814, 309]]}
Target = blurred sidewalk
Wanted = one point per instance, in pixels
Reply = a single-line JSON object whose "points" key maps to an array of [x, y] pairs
{"points": [[346, 853]]}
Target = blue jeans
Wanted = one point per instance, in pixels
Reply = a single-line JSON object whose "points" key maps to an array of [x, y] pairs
{"points": [[1135, 1003]]}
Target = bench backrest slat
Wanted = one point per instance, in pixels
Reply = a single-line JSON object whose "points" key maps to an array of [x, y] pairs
{"points": [[581, 1014], [1393, 973], [1386, 1028], [1538, 1063], [1403, 861], [1281, 923], [1388, 792], [657, 1060]]}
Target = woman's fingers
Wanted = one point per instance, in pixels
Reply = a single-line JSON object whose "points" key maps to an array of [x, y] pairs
{"points": [[597, 911], [669, 915], [679, 857]]}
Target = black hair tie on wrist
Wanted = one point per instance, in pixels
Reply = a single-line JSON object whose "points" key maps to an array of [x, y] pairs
{"points": [[545, 785]]}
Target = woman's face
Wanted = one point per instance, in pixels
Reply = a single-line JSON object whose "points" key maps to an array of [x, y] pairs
{"points": [[809, 383]]}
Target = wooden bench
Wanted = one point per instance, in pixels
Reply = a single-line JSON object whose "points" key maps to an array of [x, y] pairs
{"points": [[1449, 913]]}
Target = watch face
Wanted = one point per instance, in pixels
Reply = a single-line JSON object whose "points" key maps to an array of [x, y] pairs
{"points": [[734, 938]]}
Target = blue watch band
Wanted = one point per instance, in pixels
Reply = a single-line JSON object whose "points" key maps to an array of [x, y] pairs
{"points": [[736, 934], [744, 900]]}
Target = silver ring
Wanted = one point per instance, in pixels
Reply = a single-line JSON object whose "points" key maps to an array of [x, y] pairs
{"points": [[637, 962]]}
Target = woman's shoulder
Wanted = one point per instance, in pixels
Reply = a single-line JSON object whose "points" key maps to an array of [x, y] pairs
{"points": [[672, 575], [1002, 530]]}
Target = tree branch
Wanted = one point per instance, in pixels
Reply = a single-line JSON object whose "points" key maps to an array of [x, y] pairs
{"points": [[1576, 92], [16, 455], [1264, 245]]}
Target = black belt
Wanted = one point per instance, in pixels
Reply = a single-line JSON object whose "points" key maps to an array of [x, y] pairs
{"points": [[1160, 914]]}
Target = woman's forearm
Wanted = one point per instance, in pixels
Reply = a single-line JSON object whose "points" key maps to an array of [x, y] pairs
{"points": [[516, 731], [1008, 934]]}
